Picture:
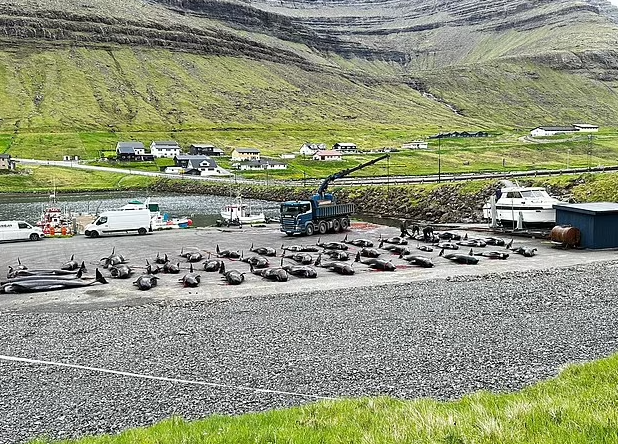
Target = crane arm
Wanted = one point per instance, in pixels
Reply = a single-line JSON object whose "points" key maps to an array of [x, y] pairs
{"points": [[347, 172]]}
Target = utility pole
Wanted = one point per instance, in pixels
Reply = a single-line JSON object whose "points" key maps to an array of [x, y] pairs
{"points": [[589, 150], [439, 156]]}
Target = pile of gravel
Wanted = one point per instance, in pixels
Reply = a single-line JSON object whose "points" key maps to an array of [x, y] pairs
{"points": [[439, 338]]}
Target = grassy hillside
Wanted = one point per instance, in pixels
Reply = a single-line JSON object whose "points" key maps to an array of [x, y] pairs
{"points": [[579, 406], [141, 89]]}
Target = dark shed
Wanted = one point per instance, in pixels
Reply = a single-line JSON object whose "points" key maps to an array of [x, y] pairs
{"points": [[597, 222]]}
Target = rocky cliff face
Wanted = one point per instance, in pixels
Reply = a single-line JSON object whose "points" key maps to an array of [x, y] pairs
{"points": [[418, 34]]}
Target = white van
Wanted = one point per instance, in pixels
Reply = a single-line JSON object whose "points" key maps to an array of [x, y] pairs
{"points": [[120, 221], [12, 230]]}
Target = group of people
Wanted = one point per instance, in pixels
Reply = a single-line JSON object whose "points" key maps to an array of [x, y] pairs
{"points": [[416, 230]]}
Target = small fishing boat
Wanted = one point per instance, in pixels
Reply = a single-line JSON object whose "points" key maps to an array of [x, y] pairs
{"points": [[531, 205], [55, 220], [239, 213]]}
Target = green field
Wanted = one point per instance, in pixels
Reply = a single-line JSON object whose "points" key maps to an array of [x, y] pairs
{"points": [[500, 152], [43, 179], [580, 406]]}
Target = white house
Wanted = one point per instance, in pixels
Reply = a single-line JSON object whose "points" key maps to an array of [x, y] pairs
{"points": [[543, 131], [6, 163], [345, 147], [309, 149], [242, 154], [326, 155], [586, 128], [415, 145], [169, 149]]}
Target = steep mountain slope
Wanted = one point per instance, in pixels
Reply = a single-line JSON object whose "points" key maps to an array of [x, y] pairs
{"points": [[174, 63]]}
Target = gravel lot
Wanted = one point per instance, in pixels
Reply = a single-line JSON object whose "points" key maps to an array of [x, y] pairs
{"points": [[451, 331]]}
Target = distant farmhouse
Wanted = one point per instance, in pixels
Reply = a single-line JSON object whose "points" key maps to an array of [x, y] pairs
{"points": [[460, 134], [243, 154], [415, 145], [132, 152], [542, 131], [6, 163], [345, 148], [168, 149], [195, 165], [309, 149], [327, 155], [262, 164], [198, 149]]}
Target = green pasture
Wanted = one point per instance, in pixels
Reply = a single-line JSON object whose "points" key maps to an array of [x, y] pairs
{"points": [[580, 406], [500, 152], [43, 179]]}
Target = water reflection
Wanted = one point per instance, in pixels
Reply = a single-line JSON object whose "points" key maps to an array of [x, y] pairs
{"points": [[202, 209]]}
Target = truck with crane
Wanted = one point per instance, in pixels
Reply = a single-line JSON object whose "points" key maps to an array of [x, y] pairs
{"points": [[321, 213]]}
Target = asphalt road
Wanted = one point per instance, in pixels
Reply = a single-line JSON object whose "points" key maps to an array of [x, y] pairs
{"points": [[52, 252]]}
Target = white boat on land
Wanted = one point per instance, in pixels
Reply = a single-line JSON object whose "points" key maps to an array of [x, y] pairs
{"points": [[239, 213], [530, 205]]}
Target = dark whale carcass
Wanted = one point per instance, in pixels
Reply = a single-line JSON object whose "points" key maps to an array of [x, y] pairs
{"points": [[358, 242], [491, 254], [394, 248], [397, 240], [272, 274], [332, 245], [255, 261], [191, 256], [337, 267], [146, 281], [376, 263], [212, 265], [524, 251], [303, 271], [228, 253], [49, 283], [71, 265], [421, 261], [232, 277], [12, 273], [190, 279], [121, 271], [300, 248], [369, 252], [263, 251], [459, 258], [113, 259], [302, 258]]}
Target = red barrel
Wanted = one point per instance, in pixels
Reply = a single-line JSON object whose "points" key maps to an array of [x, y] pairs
{"points": [[565, 235]]}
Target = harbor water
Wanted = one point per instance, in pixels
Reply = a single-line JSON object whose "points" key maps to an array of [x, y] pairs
{"points": [[203, 210]]}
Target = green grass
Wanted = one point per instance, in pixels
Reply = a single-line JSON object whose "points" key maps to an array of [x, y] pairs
{"points": [[501, 152], [580, 406], [41, 179]]}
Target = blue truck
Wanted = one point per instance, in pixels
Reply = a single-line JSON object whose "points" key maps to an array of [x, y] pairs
{"points": [[321, 213]]}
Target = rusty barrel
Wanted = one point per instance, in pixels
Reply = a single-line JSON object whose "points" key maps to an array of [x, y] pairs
{"points": [[566, 235]]}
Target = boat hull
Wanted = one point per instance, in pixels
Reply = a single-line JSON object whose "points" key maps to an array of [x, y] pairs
{"points": [[537, 216]]}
